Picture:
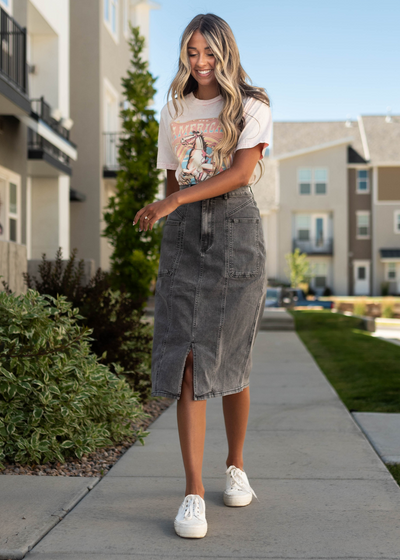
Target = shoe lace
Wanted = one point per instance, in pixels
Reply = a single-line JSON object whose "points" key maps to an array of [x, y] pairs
{"points": [[237, 481], [192, 506]]}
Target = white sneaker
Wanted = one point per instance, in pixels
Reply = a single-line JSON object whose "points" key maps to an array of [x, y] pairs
{"points": [[238, 490], [190, 521]]}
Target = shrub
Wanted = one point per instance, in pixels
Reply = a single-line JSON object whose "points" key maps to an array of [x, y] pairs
{"points": [[56, 399], [385, 289], [327, 292], [360, 307], [119, 336], [388, 308]]}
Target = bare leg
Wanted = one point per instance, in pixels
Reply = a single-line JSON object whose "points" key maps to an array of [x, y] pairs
{"points": [[236, 412], [191, 417]]}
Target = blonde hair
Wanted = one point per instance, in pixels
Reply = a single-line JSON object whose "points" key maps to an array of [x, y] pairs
{"points": [[229, 74]]}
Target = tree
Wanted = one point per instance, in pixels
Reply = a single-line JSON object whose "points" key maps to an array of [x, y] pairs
{"points": [[299, 267], [135, 257]]}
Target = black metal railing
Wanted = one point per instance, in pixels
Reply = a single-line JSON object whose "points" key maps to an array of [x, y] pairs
{"points": [[111, 146], [323, 245], [13, 51], [37, 142], [43, 110]]}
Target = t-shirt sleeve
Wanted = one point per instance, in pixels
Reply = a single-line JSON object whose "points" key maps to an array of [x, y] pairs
{"points": [[166, 158], [258, 126]]}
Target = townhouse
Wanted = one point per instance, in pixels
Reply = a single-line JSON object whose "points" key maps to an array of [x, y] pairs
{"points": [[332, 189], [100, 57], [35, 146]]}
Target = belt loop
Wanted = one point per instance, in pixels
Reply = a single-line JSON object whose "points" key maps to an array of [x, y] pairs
{"points": [[251, 190], [225, 195]]}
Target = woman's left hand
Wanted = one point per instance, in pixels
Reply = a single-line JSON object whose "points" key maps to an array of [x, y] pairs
{"points": [[154, 212]]}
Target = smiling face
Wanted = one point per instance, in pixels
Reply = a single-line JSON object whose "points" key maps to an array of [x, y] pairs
{"points": [[202, 61]]}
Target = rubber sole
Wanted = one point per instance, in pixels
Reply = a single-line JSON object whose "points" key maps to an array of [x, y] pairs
{"points": [[237, 501], [191, 532]]}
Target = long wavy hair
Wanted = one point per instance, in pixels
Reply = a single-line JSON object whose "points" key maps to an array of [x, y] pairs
{"points": [[233, 82]]}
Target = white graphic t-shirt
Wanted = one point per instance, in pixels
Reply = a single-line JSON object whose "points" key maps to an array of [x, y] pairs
{"points": [[187, 143]]}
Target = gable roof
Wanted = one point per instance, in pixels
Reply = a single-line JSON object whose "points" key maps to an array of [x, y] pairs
{"points": [[383, 137], [298, 136]]}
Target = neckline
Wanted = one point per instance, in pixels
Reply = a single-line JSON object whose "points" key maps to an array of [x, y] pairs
{"points": [[194, 99]]}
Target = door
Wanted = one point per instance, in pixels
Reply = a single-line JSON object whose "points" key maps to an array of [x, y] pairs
{"points": [[319, 231], [362, 278]]}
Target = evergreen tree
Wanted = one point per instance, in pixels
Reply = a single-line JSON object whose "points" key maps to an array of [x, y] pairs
{"points": [[135, 258]]}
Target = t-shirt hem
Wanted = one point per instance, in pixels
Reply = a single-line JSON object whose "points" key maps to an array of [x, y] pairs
{"points": [[162, 165], [251, 144]]}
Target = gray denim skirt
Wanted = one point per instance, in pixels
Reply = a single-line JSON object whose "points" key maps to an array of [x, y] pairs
{"points": [[209, 295]]}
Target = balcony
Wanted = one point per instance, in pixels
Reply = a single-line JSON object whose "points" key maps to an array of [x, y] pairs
{"points": [[111, 143], [314, 246], [49, 146], [14, 98]]}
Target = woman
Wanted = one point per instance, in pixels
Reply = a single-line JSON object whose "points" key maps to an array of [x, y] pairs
{"points": [[211, 281]]}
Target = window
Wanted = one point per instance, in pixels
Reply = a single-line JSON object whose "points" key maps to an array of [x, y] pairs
{"points": [[391, 271], [111, 16], [303, 226], [361, 273], [320, 180], [397, 221], [126, 18], [363, 224], [9, 210], [313, 180], [320, 273], [5, 4], [305, 181], [362, 181]]}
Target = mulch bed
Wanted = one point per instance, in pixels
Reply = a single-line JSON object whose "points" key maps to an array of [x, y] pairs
{"points": [[97, 463]]}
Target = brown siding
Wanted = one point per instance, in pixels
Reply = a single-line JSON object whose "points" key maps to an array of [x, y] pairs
{"points": [[360, 249], [388, 183]]}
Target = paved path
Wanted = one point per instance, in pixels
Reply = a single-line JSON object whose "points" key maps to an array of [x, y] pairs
{"points": [[324, 492]]}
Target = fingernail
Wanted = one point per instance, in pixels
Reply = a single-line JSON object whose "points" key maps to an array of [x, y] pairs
{"points": [[133, 223]]}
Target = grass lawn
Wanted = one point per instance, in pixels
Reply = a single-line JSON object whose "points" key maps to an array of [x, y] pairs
{"points": [[365, 371], [395, 470]]}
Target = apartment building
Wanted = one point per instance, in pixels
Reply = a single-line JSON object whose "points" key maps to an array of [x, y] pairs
{"points": [[100, 58], [332, 189], [35, 146]]}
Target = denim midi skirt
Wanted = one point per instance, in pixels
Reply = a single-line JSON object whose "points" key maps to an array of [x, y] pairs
{"points": [[209, 295]]}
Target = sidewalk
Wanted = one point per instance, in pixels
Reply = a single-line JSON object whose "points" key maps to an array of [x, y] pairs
{"points": [[323, 490]]}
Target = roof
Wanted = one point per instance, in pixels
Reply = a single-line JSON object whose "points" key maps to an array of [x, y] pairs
{"points": [[390, 253], [295, 136], [383, 137]]}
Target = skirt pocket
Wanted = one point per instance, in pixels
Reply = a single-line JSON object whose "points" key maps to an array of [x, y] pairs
{"points": [[244, 252], [171, 245]]}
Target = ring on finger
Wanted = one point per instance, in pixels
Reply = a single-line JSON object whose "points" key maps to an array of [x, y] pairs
{"points": [[146, 218]]}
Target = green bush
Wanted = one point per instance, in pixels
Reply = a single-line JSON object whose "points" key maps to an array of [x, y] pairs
{"points": [[388, 308], [56, 399], [360, 307], [119, 336]]}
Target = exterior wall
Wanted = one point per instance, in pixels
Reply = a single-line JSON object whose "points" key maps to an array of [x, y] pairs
{"points": [[334, 202], [13, 263], [13, 148], [388, 187], [384, 210], [359, 249], [115, 57], [86, 18]]}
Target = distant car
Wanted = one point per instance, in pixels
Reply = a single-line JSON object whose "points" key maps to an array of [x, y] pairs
{"points": [[297, 297], [274, 297]]}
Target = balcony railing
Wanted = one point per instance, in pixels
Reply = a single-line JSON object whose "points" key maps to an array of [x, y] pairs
{"points": [[13, 52], [314, 246], [38, 143], [42, 109], [111, 145]]}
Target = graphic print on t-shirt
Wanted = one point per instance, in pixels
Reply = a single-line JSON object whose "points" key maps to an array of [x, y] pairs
{"points": [[194, 142]]}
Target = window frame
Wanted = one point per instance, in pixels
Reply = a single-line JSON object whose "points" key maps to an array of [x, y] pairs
{"points": [[387, 270], [10, 178], [108, 22], [396, 224], [359, 180], [315, 181], [363, 213]]}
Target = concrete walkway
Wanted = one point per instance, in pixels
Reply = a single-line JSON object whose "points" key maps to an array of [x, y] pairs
{"points": [[324, 492]]}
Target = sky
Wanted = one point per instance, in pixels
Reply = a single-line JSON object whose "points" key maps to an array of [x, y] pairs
{"points": [[317, 60]]}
